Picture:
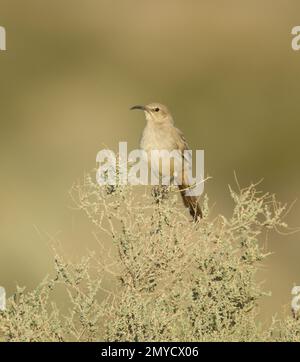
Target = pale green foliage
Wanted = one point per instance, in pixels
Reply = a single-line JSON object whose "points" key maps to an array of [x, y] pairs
{"points": [[171, 279]]}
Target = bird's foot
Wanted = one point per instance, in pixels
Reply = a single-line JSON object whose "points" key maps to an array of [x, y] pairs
{"points": [[160, 193]]}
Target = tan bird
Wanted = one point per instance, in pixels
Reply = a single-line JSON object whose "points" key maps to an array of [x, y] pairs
{"points": [[161, 134]]}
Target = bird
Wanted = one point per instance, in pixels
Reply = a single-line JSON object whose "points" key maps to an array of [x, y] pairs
{"points": [[160, 134]]}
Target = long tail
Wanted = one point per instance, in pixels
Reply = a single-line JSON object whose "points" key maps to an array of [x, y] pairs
{"points": [[191, 202]]}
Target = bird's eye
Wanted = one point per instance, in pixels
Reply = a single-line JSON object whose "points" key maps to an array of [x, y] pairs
{"points": [[156, 109]]}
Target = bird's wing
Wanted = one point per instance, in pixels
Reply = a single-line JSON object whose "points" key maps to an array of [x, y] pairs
{"points": [[182, 145], [181, 142]]}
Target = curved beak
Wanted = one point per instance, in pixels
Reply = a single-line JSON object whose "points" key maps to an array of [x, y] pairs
{"points": [[141, 108]]}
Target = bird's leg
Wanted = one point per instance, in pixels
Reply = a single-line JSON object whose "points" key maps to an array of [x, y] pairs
{"points": [[160, 193]]}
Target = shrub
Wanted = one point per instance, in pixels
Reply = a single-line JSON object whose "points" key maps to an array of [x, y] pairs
{"points": [[170, 279]]}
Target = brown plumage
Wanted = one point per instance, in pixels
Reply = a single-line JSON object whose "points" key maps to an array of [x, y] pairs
{"points": [[161, 134], [191, 202]]}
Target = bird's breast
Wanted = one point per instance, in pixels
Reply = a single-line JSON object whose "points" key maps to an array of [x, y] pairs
{"points": [[156, 138]]}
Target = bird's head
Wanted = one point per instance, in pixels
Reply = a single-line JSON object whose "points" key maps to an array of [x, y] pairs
{"points": [[156, 113]]}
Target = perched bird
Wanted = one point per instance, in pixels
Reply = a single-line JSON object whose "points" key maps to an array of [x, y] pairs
{"points": [[161, 134]]}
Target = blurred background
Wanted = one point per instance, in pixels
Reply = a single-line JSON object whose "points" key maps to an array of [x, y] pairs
{"points": [[73, 68]]}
